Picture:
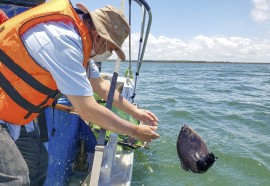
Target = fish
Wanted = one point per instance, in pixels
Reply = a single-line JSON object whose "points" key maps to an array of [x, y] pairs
{"points": [[193, 152]]}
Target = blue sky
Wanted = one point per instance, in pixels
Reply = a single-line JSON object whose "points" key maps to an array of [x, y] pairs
{"points": [[210, 30]]}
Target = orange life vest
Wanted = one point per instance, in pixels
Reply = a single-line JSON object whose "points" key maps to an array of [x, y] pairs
{"points": [[26, 89]]}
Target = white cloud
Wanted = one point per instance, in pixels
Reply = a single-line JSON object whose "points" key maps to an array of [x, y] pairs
{"points": [[234, 49], [261, 10]]}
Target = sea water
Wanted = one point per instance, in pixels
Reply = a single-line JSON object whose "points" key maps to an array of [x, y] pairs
{"points": [[227, 104]]}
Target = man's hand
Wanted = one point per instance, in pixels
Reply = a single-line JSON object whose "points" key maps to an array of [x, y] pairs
{"points": [[146, 133], [145, 116]]}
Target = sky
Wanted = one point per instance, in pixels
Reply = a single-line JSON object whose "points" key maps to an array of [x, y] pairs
{"points": [[200, 30]]}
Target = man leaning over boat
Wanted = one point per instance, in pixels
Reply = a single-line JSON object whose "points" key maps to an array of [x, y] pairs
{"points": [[43, 52]]}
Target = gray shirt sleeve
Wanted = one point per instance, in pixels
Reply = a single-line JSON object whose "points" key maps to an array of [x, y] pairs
{"points": [[92, 71]]}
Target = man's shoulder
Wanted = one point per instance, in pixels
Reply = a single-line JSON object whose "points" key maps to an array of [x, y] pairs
{"points": [[60, 28], [54, 28], [54, 32]]}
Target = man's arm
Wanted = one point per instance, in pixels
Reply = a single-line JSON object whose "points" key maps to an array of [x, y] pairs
{"points": [[101, 87], [90, 110]]}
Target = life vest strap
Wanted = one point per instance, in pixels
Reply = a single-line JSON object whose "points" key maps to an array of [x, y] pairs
{"points": [[26, 77], [16, 97], [31, 81]]}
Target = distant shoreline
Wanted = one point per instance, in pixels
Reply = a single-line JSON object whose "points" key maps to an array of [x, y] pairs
{"points": [[187, 61]]}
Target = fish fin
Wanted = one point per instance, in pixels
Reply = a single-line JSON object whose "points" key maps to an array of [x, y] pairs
{"points": [[184, 166]]}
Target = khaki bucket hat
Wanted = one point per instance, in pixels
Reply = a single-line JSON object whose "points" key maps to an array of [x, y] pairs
{"points": [[110, 24]]}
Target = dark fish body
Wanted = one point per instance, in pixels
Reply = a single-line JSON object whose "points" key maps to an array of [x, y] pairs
{"points": [[193, 152]]}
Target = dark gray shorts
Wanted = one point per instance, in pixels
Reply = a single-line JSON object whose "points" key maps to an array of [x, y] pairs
{"points": [[23, 162]]}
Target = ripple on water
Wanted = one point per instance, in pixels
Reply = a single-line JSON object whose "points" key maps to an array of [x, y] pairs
{"points": [[227, 104], [237, 170]]}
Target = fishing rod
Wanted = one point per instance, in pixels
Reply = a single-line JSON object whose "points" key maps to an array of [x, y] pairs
{"points": [[65, 108], [128, 73]]}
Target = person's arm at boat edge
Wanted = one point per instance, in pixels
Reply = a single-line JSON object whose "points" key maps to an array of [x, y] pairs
{"points": [[101, 87], [90, 110]]}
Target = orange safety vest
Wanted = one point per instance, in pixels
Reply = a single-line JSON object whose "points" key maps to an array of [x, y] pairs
{"points": [[26, 89]]}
